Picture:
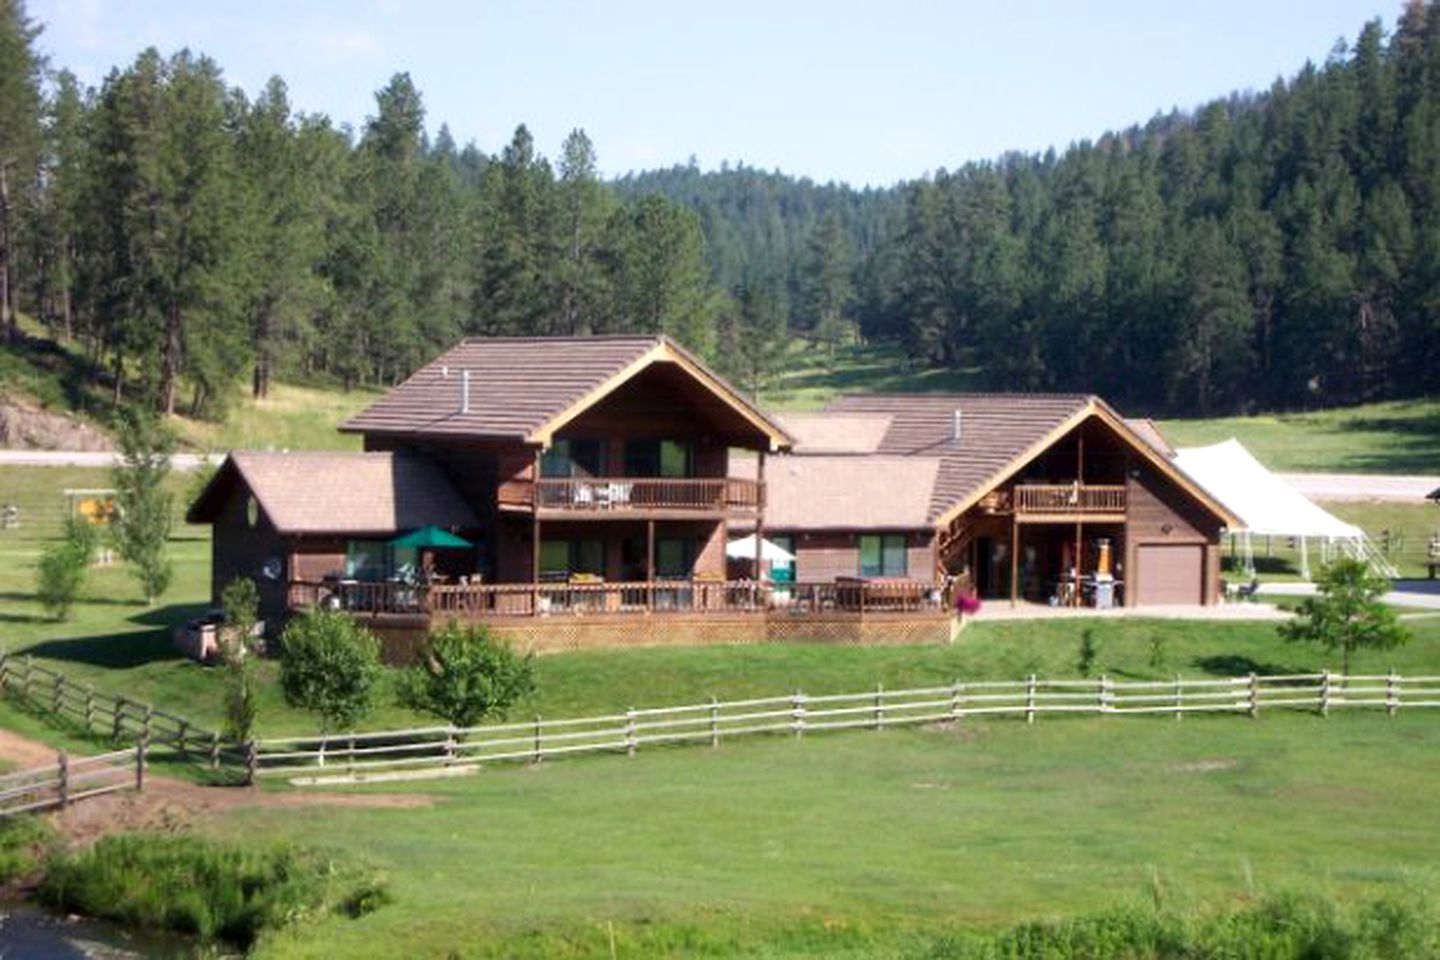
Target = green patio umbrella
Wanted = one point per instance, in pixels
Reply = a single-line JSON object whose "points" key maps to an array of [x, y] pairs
{"points": [[430, 538]]}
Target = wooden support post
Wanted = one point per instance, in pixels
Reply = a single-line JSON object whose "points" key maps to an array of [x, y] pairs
{"points": [[116, 727], [89, 708], [62, 761], [25, 680], [714, 723], [630, 732], [1104, 694], [879, 706], [537, 753], [1254, 696], [252, 762], [449, 746], [324, 743], [797, 714], [180, 738], [350, 754], [760, 517], [649, 565], [957, 699], [1325, 692], [215, 751], [535, 535], [1030, 699], [141, 749], [1392, 693], [1179, 694], [1014, 562], [57, 693], [1079, 562]]}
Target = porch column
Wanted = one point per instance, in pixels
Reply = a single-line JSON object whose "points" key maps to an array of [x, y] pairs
{"points": [[1079, 563], [759, 513], [649, 564], [535, 537], [1014, 562]]}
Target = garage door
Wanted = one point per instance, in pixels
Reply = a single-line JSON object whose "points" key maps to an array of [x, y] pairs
{"points": [[1169, 574]]}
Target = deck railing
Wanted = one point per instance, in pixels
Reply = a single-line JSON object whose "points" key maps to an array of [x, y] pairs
{"points": [[635, 494], [498, 601], [1070, 498]]}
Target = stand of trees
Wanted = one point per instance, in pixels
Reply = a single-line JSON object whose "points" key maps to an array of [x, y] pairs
{"points": [[1275, 250]]}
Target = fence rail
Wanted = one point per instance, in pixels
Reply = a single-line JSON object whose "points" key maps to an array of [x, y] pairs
{"points": [[117, 718], [71, 779], [436, 750]]}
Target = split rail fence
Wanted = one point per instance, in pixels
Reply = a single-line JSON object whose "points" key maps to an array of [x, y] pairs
{"points": [[439, 750], [116, 718], [71, 779]]}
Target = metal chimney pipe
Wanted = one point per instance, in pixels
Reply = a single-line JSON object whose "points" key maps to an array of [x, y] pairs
{"points": [[955, 428], [464, 391]]}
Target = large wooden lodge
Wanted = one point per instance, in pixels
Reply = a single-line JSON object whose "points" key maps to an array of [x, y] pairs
{"points": [[584, 491]]}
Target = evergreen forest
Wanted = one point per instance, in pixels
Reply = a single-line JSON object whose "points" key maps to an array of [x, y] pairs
{"points": [[1265, 250]]}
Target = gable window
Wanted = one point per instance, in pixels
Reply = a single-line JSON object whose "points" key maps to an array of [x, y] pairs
{"points": [[883, 555]]}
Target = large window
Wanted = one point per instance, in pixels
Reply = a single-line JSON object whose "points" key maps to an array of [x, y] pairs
{"points": [[573, 458], [657, 458], [674, 557], [562, 558], [367, 560], [883, 555]]}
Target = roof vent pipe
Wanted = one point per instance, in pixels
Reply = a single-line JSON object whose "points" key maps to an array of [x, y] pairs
{"points": [[464, 391], [955, 428]]}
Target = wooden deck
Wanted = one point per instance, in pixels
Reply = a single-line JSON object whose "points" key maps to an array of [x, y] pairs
{"points": [[633, 496]]}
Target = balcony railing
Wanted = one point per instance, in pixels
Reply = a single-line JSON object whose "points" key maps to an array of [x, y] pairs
{"points": [[507, 600], [1070, 498], [634, 494]]}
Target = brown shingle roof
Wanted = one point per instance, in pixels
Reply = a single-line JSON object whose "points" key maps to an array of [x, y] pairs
{"points": [[340, 493], [996, 428], [845, 492], [1149, 431], [835, 433], [520, 388]]}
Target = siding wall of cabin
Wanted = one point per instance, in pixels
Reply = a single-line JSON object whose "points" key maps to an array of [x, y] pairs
{"points": [[1158, 512], [823, 555], [239, 550]]}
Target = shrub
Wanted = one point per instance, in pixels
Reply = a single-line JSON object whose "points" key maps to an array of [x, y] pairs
{"points": [[63, 566], [191, 885], [330, 665], [465, 676], [241, 600], [21, 838], [1089, 650]]}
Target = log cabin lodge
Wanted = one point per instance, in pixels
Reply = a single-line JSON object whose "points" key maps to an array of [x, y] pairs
{"points": [[574, 492]]}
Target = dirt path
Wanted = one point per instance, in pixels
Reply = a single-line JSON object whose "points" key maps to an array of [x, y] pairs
{"points": [[171, 804]]}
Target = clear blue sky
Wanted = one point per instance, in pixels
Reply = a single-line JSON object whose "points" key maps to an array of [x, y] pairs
{"points": [[865, 93]]}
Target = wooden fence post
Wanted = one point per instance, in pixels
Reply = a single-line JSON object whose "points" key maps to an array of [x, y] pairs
{"points": [[140, 750], [252, 762], [957, 697], [450, 745], [714, 723], [25, 681], [1392, 693], [57, 693], [320, 757], [1254, 696], [145, 730], [119, 718], [1325, 692], [1104, 694], [350, 755], [797, 714], [89, 707], [630, 732], [879, 706], [215, 751], [4, 670], [63, 763], [1030, 699], [538, 754], [1179, 699], [180, 738]]}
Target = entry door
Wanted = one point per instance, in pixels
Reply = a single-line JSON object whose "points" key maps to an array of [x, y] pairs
{"points": [[1169, 574]]}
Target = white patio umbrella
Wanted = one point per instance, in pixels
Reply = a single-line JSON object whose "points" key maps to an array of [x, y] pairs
{"points": [[744, 549]]}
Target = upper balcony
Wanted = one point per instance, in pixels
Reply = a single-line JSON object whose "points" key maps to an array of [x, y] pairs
{"points": [[577, 497], [1038, 502]]}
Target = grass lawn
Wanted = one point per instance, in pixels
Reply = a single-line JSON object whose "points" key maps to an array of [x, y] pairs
{"points": [[871, 844], [290, 418], [813, 377], [1410, 527], [1399, 437]]}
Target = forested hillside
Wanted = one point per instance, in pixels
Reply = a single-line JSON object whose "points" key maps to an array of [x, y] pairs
{"points": [[1274, 250]]}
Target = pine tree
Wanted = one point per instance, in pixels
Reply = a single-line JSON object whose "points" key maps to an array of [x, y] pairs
{"points": [[20, 144], [827, 291]]}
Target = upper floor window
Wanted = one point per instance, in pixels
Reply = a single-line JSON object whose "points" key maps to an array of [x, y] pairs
{"points": [[657, 458], [573, 458]]}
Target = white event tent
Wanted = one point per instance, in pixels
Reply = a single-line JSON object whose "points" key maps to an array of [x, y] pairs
{"points": [[1271, 507]]}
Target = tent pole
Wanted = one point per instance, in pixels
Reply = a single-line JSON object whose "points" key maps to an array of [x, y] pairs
{"points": [[1304, 559]]}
